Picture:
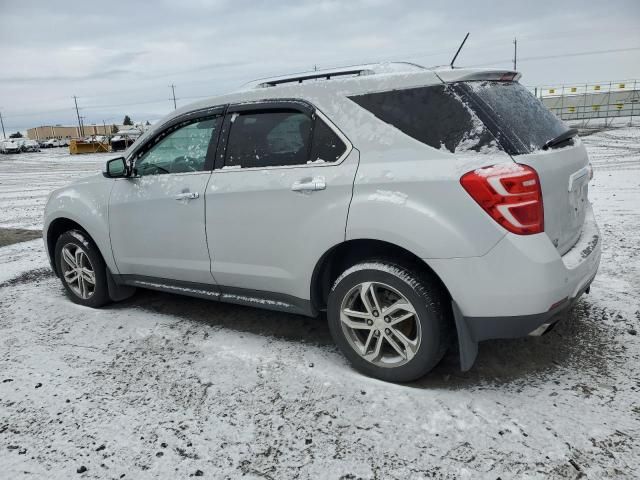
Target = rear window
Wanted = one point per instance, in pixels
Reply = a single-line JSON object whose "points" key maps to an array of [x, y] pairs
{"points": [[510, 111], [433, 115]]}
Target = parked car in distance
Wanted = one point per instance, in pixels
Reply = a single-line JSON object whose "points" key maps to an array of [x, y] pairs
{"points": [[124, 139], [27, 145], [9, 146], [418, 208], [53, 142]]}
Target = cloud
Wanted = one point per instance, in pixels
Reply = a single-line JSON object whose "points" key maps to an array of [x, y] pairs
{"points": [[128, 53]]}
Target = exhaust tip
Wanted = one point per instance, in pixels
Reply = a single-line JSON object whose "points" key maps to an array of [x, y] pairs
{"points": [[541, 330]]}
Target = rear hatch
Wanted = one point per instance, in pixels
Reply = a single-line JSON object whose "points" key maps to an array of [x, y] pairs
{"points": [[523, 126]]}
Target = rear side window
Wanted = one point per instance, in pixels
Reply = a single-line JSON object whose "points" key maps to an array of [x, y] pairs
{"points": [[432, 115], [271, 138], [509, 109]]}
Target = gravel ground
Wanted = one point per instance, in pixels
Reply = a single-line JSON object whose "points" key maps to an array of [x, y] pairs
{"points": [[162, 386]]}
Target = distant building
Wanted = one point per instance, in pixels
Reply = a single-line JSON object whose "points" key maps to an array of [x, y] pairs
{"points": [[66, 131]]}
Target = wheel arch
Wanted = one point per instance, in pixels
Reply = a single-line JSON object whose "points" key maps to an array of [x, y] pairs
{"points": [[346, 254], [56, 228]]}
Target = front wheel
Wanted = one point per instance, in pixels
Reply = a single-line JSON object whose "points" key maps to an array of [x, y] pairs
{"points": [[389, 321], [81, 269]]}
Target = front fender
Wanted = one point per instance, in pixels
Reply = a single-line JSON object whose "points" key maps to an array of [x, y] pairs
{"points": [[86, 203]]}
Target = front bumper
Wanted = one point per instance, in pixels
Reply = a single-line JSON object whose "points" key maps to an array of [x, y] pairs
{"points": [[519, 288]]}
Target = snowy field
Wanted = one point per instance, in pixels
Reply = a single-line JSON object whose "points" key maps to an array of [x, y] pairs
{"points": [[163, 386]]}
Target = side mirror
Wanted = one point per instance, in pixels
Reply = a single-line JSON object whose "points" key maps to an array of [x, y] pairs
{"points": [[116, 168]]}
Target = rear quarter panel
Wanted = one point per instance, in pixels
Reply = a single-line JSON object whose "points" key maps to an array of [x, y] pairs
{"points": [[409, 194]]}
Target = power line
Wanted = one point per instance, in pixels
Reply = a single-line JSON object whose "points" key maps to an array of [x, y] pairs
{"points": [[562, 55], [399, 56]]}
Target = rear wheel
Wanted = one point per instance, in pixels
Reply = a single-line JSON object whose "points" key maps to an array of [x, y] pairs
{"points": [[388, 321], [82, 269]]}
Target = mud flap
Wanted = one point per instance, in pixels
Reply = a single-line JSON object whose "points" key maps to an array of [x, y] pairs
{"points": [[466, 344], [118, 292]]}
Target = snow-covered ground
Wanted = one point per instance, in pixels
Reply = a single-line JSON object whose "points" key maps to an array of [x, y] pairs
{"points": [[27, 179], [163, 386]]}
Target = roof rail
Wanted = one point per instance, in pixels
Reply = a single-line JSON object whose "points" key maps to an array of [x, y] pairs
{"points": [[313, 76], [347, 71]]}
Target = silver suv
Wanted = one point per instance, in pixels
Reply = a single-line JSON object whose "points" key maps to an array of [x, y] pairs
{"points": [[420, 209]]}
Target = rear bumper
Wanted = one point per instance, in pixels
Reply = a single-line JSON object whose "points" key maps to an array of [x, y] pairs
{"points": [[519, 287], [486, 328]]}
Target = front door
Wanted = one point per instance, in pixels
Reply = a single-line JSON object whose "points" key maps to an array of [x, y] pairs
{"points": [[157, 217]]}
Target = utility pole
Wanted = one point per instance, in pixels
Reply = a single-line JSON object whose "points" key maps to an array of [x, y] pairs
{"points": [[80, 129], [82, 124], [173, 90], [515, 54], [4, 135]]}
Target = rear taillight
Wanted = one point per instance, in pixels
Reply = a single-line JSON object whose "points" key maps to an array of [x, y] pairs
{"points": [[511, 194]]}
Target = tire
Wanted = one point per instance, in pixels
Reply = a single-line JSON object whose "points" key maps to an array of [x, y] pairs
{"points": [[81, 249], [426, 329]]}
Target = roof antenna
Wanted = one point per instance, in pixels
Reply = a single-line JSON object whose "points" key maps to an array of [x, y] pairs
{"points": [[459, 48]]}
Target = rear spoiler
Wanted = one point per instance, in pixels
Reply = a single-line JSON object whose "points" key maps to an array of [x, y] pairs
{"points": [[465, 75]]}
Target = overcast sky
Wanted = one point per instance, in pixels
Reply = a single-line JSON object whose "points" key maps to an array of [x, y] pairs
{"points": [[120, 57]]}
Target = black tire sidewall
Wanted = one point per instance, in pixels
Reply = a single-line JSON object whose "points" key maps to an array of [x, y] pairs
{"points": [[429, 312], [101, 292]]}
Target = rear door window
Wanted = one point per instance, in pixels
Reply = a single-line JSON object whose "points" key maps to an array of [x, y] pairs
{"points": [[268, 139], [509, 110], [433, 115], [326, 146], [272, 138]]}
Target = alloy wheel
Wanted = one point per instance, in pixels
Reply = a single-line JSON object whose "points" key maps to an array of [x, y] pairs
{"points": [[77, 271], [380, 324]]}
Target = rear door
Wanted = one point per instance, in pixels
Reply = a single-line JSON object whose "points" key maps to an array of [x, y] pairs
{"points": [[278, 198], [157, 217], [523, 125]]}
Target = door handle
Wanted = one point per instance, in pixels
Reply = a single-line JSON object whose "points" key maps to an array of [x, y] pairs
{"points": [[316, 183], [187, 196]]}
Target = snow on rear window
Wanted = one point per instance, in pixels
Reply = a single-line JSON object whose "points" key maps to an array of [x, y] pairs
{"points": [[512, 114], [433, 115]]}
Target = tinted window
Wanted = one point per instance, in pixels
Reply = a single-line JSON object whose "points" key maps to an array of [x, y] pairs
{"points": [[268, 138], [510, 109], [182, 150], [326, 145], [433, 115]]}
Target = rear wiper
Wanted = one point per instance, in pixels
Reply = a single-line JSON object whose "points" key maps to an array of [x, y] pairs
{"points": [[562, 138]]}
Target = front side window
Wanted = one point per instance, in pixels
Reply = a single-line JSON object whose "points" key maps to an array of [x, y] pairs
{"points": [[183, 150]]}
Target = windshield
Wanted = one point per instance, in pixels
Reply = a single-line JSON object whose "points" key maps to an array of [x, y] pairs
{"points": [[512, 113]]}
